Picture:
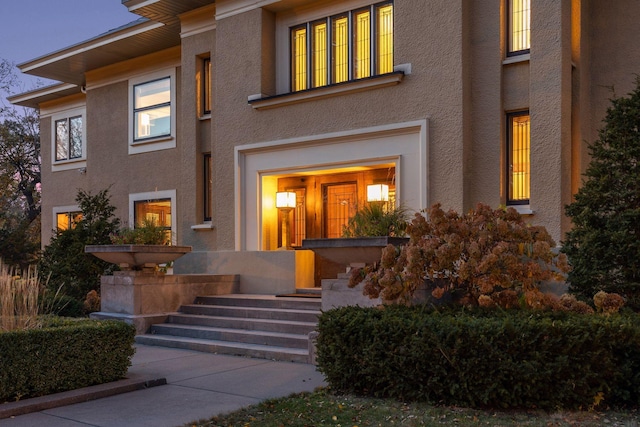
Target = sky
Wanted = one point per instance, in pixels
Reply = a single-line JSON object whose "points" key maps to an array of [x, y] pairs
{"points": [[32, 28]]}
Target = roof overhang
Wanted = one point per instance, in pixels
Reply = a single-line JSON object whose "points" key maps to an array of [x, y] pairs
{"points": [[34, 98], [135, 39]]}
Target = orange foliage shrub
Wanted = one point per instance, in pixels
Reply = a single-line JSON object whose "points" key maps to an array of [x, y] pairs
{"points": [[487, 257]]}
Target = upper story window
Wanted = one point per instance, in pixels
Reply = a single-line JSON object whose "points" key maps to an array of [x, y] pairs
{"points": [[152, 112], [152, 109], [69, 138], [343, 47], [68, 145], [206, 86], [519, 27], [519, 158]]}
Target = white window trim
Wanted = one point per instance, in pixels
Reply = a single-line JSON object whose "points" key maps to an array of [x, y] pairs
{"points": [[81, 162], [155, 195], [286, 20], [162, 142], [62, 209]]}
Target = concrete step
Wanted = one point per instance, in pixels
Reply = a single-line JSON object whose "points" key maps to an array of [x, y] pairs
{"points": [[251, 312], [262, 301], [277, 339], [223, 347], [269, 325], [263, 326]]}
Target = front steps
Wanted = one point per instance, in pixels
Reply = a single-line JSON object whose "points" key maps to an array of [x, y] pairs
{"points": [[261, 326]]}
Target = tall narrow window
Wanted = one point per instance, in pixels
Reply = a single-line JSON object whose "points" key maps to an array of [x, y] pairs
{"points": [[299, 58], [152, 109], [206, 86], [69, 138], [362, 44], [352, 45], [319, 64], [519, 154], [384, 35], [208, 186], [340, 49], [519, 26]]}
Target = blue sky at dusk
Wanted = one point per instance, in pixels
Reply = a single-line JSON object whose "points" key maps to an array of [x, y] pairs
{"points": [[32, 28]]}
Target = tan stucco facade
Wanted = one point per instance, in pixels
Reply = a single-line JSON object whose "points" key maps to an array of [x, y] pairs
{"points": [[438, 121]]}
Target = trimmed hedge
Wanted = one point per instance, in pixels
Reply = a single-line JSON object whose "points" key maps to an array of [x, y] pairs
{"points": [[484, 358], [64, 355]]}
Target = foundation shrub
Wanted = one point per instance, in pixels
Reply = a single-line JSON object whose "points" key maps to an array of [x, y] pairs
{"points": [[482, 358], [487, 257], [63, 355]]}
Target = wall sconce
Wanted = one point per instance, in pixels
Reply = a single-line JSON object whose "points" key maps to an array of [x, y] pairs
{"points": [[377, 193], [285, 202]]}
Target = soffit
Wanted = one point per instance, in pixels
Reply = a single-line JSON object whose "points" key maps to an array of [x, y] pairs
{"points": [[163, 10], [135, 39], [34, 98]]}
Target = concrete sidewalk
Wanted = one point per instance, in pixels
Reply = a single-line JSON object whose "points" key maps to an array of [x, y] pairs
{"points": [[198, 386]]}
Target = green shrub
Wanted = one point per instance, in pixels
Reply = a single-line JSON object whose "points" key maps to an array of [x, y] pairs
{"points": [[603, 245], [65, 355], [148, 233], [376, 219], [484, 358], [64, 261]]}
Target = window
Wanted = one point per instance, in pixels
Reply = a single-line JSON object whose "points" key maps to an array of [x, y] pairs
{"points": [[69, 138], [152, 109], [68, 141], [208, 186], [156, 206], [206, 86], [152, 112], [519, 27], [348, 46], [157, 212], [67, 220], [518, 162]]}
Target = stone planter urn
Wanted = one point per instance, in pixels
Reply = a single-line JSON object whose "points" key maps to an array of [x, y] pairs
{"points": [[137, 257], [351, 252]]}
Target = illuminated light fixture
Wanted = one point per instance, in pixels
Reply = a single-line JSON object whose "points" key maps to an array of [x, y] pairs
{"points": [[285, 202], [377, 193], [285, 199]]}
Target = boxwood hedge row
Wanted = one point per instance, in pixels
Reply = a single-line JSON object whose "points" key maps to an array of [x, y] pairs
{"points": [[496, 359], [64, 355]]}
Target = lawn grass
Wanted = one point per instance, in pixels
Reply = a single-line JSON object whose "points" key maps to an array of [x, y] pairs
{"points": [[323, 408]]}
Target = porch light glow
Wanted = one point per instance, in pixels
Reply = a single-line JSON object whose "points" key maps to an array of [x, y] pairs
{"points": [[285, 199], [377, 193]]}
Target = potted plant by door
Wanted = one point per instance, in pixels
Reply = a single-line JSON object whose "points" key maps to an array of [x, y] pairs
{"points": [[371, 229]]}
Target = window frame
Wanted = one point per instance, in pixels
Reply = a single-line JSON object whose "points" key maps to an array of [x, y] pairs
{"points": [[508, 155], [151, 196], [207, 185], [159, 142], [206, 86], [509, 30], [64, 210], [330, 74], [69, 162]]}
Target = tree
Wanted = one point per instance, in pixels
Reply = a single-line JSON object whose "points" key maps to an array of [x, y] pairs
{"points": [[604, 245], [19, 178], [64, 261]]}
